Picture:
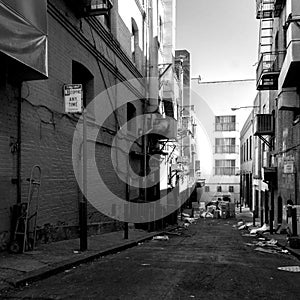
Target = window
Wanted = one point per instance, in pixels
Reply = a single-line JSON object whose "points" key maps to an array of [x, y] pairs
{"points": [[105, 19], [219, 189], [81, 75], [242, 152], [206, 189], [247, 150], [250, 147], [134, 40], [225, 123], [225, 167], [131, 114], [225, 145], [231, 189], [160, 31]]}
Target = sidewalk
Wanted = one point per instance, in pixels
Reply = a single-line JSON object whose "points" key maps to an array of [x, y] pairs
{"points": [[282, 240], [49, 259]]}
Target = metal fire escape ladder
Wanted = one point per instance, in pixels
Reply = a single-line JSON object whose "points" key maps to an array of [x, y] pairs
{"points": [[266, 76], [265, 12]]}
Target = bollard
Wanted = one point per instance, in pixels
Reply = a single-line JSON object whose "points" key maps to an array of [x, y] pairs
{"points": [[294, 221]]}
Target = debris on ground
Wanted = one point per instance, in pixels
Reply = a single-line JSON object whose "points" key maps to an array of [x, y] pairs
{"points": [[294, 269], [184, 215], [189, 220], [249, 235], [242, 227], [271, 251], [263, 228], [265, 243], [161, 238]]}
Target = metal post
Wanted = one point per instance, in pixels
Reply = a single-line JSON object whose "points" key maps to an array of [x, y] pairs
{"points": [[83, 202], [271, 221], [294, 221], [126, 210]]}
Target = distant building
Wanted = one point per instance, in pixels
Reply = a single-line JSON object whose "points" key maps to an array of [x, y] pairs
{"points": [[223, 179]]}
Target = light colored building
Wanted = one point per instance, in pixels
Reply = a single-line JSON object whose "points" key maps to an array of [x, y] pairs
{"points": [[223, 181]]}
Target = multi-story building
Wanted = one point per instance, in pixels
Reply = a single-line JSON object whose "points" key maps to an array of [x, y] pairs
{"points": [[223, 180], [276, 123], [246, 162], [187, 133], [109, 48]]}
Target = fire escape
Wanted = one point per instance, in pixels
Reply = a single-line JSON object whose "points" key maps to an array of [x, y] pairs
{"points": [[264, 129], [270, 59], [267, 73]]}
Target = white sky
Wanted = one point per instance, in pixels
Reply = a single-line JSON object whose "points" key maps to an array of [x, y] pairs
{"points": [[222, 37]]}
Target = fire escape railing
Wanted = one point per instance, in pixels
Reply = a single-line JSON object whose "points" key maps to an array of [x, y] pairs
{"points": [[268, 69], [269, 8]]}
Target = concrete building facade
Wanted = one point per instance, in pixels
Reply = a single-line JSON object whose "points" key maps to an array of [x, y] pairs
{"points": [[224, 180]]}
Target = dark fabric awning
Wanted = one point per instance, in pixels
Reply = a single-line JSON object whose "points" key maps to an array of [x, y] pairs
{"points": [[23, 35]]}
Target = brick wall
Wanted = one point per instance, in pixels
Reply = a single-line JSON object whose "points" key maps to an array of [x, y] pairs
{"points": [[287, 138], [9, 95], [47, 132]]}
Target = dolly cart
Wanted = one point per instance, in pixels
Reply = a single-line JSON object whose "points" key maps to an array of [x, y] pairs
{"points": [[25, 216]]}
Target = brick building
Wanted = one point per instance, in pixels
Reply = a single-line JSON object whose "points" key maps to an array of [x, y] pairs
{"points": [[276, 115], [75, 46]]}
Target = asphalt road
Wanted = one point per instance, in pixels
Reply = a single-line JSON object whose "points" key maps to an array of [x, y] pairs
{"points": [[209, 261]]}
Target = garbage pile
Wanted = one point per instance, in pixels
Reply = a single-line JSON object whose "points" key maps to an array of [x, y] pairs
{"points": [[185, 219], [262, 242], [218, 209]]}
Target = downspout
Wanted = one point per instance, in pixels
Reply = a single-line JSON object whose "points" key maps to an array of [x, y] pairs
{"points": [[19, 140], [153, 65]]}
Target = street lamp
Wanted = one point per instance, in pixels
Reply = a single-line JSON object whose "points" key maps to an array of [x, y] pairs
{"points": [[250, 106]]}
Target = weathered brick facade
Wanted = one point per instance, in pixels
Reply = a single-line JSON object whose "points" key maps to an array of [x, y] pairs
{"points": [[47, 132]]}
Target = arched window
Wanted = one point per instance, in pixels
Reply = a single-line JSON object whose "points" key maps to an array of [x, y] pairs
{"points": [[134, 40], [131, 114], [81, 75]]}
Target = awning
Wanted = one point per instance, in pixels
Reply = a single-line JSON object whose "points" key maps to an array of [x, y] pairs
{"points": [[23, 36]]}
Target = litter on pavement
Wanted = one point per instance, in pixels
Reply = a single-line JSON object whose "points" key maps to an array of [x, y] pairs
{"points": [[294, 269], [264, 228], [161, 238], [260, 249], [270, 243]]}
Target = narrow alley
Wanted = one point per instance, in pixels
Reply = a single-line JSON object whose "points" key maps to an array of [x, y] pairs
{"points": [[209, 260]]}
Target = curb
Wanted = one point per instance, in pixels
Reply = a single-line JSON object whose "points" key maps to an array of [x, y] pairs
{"points": [[59, 267]]}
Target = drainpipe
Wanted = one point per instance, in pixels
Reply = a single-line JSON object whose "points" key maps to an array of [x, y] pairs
{"points": [[296, 186], [19, 140], [153, 65]]}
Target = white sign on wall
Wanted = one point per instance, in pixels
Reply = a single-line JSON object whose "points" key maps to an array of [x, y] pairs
{"points": [[73, 98]]}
